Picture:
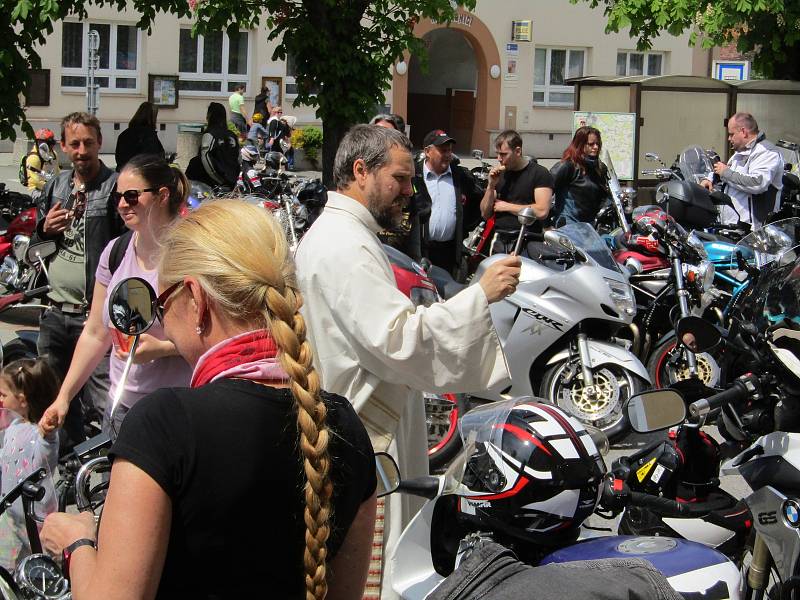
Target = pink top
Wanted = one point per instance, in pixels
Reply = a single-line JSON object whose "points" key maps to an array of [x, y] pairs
{"points": [[171, 371]]}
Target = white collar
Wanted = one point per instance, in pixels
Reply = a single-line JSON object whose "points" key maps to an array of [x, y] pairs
{"points": [[344, 203], [426, 170]]}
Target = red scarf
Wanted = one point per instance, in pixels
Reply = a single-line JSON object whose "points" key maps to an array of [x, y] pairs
{"points": [[248, 356]]}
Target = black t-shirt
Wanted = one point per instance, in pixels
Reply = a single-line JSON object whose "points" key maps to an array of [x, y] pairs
{"points": [[228, 456], [517, 187]]}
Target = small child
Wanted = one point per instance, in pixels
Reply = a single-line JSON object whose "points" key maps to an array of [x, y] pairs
{"points": [[27, 387]]}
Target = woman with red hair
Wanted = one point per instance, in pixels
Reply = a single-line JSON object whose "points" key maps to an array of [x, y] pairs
{"points": [[580, 179]]}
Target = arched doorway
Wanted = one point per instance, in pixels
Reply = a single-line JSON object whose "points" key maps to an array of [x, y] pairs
{"points": [[485, 54], [444, 96]]}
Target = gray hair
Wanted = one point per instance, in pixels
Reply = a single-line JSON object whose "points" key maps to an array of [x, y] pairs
{"points": [[368, 143], [746, 121]]}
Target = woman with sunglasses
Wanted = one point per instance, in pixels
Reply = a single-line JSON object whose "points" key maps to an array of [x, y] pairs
{"points": [[580, 180], [252, 483], [149, 196]]}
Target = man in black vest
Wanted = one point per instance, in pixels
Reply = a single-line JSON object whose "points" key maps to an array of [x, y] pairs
{"points": [[447, 202], [518, 181]]}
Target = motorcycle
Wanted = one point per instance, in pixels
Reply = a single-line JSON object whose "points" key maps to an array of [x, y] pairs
{"points": [[559, 328], [529, 475], [24, 275], [18, 221], [26, 573]]}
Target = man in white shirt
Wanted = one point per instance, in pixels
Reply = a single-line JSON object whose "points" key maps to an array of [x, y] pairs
{"points": [[447, 201], [753, 177], [372, 345]]}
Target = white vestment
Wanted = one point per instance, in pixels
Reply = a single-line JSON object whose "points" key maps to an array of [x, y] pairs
{"points": [[374, 347]]}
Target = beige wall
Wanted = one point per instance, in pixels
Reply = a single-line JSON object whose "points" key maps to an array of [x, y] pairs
{"points": [[555, 23]]}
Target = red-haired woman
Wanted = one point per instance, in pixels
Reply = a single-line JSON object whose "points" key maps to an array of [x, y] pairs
{"points": [[580, 179]]}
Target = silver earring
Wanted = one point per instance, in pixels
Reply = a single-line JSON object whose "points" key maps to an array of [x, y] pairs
{"points": [[198, 330]]}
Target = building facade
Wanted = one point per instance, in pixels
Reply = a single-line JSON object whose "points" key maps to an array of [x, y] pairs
{"points": [[481, 78]]}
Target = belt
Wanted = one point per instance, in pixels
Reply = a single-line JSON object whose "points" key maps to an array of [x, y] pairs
{"points": [[70, 308]]}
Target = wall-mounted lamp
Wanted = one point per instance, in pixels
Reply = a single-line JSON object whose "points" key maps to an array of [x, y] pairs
{"points": [[494, 71], [401, 68]]}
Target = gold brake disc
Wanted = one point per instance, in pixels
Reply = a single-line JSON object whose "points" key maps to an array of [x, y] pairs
{"points": [[705, 371], [600, 403]]}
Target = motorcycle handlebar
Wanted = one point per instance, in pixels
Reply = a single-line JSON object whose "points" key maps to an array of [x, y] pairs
{"points": [[740, 390]]}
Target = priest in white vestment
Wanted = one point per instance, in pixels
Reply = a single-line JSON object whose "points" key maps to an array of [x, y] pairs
{"points": [[372, 345]]}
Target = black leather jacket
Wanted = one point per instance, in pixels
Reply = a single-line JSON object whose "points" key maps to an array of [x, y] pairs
{"points": [[103, 222]]}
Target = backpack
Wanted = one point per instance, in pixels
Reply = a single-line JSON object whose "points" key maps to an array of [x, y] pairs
{"points": [[118, 251], [24, 168]]}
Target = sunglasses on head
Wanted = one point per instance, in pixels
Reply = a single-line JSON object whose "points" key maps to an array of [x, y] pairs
{"points": [[131, 196], [158, 303]]}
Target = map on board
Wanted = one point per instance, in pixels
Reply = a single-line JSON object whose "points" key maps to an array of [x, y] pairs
{"points": [[619, 135]]}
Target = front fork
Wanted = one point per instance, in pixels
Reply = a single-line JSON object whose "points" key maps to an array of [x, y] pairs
{"points": [[758, 572], [683, 302], [586, 363]]}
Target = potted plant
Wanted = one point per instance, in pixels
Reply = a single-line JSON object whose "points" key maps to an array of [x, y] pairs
{"points": [[309, 141]]}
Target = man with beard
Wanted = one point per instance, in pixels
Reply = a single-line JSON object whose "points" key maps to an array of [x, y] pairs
{"points": [[372, 345], [76, 211]]}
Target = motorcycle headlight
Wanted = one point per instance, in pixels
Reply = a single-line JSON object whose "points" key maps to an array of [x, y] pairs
{"points": [[20, 246], [701, 275], [698, 245], [622, 295], [422, 296]]}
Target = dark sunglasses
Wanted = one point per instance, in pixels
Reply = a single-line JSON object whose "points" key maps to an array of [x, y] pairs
{"points": [[158, 303], [131, 196]]}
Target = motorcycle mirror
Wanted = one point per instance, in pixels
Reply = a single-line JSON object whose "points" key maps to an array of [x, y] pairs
{"points": [[131, 306], [526, 216], [388, 474], [40, 250], [477, 154], [655, 410], [554, 238], [697, 334]]}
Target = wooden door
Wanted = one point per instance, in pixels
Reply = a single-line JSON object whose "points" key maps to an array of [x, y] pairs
{"points": [[462, 119]]}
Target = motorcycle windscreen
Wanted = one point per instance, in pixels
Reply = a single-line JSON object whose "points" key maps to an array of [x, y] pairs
{"points": [[587, 239], [774, 242], [695, 164], [24, 453]]}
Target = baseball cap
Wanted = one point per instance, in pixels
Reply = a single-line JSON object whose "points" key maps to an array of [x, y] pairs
{"points": [[437, 137]]}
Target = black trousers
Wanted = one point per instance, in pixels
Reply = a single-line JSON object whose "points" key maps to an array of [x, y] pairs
{"points": [[58, 336], [443, 254]]}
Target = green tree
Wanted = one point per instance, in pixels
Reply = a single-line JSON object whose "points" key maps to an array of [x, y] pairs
{"points": [[767, 30], [343, 49]]}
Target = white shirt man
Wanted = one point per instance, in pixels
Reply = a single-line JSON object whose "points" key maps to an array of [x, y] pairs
{"points": [[442, 223], [372, 345], [753, 176]]}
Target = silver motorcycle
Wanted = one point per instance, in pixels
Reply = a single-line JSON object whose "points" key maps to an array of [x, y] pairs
{"points": [[558, 330]]}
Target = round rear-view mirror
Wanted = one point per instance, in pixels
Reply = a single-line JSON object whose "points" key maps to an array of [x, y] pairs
{"points": [[697, 334], [131, 306], [388, 474], [655, 410]]}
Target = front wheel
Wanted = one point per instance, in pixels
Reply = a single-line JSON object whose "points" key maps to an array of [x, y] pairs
{"points": [[668, 364], [601, 407]]}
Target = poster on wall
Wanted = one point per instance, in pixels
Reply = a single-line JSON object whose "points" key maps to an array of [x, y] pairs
{"points": [[163, 90], [522, 31], [618, 131], [512, 58]]}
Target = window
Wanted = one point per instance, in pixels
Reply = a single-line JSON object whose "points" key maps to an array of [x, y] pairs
{"points": [[214, 63], [118, 56], [38, 92], [640, 63], [291, 84], [551, 68]]}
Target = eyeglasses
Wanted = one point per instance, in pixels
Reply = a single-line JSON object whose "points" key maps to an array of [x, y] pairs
{"points": [[131, 196], [158, 304]]}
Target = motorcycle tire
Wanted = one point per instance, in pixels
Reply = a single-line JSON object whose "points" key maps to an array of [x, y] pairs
{"points": [[617, 385], [442, 412], [663, 375]]}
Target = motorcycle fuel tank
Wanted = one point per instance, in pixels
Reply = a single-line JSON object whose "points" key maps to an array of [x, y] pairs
{"points": [[689, 567]]}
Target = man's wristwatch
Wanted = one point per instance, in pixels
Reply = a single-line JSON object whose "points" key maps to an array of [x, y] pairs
{"points": [[72, 547]]}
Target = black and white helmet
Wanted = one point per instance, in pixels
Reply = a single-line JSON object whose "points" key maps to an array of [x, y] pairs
{"points": [[531, 472]]}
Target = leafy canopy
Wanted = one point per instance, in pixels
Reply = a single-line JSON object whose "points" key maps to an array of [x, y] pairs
{"points": [[343, 49], [769, 30]]}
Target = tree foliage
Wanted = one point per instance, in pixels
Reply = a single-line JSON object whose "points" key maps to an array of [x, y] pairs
{"points": [[343, 49], [767, 30]]}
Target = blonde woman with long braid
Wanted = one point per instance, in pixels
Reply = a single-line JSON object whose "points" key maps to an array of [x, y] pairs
{"points": [[251, 483]]}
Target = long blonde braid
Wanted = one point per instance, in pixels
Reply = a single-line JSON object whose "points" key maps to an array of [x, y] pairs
{"points": [[241, 258]]}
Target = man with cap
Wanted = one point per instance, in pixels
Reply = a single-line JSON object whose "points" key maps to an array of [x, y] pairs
{"points": [[447, 201]]}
